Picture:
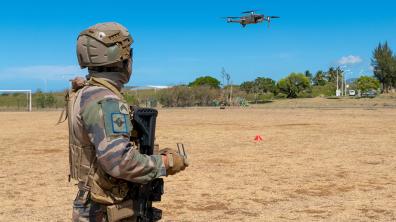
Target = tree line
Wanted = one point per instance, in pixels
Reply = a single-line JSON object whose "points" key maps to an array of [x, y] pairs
{"points": [[208, 91], [40, 100]]}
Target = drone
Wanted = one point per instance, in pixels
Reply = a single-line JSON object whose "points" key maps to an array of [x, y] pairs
{"points": [[250, 17]]}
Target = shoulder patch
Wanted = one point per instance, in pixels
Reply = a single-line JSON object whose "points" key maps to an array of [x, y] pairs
{"points": [[116, 117], [118, 123]]}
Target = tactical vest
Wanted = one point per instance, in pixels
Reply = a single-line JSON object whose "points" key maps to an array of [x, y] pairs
{"points": [[98, 185]]}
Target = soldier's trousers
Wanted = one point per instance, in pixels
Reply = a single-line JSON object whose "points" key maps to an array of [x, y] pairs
{"points": [[85, 210], [90, 211]]}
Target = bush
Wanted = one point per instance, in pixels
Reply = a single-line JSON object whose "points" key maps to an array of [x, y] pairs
{"points": [[165, 97], [131, 99], [50, 100], [204, 96], [183, 96], [326, 90], [266, 96], [40, 100], [178, 96], [281, 96], [293, 85], [305, 94], [45, 100], [206, 81], [247, 87], [366, 83]]}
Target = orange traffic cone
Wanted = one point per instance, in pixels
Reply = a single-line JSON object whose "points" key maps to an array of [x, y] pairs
{"points": [[258, 138]]}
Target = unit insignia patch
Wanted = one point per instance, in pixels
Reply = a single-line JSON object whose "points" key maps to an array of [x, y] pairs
{"points": [[119, 123]]}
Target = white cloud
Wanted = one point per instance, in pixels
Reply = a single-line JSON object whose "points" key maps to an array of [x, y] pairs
{"points": [[42, 72], [350, 60]]}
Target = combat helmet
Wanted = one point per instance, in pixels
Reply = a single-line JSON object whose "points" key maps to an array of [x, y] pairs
{"points": [[103, 44]]}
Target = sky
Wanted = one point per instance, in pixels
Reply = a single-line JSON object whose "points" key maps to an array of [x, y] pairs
{"points": [[177, 41]]}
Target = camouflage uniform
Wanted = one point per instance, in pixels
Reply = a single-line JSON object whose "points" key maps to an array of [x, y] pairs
{"points": [[102, 158], [100, 120]]}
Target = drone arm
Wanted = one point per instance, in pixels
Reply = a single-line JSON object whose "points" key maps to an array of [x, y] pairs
{"points": [[234, 21]]}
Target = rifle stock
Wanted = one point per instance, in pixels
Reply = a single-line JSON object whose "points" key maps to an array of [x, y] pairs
{"points": [[144, 123]]}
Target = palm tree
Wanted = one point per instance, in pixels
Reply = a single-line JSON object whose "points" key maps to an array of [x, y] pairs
{"points": [[320, 78]]}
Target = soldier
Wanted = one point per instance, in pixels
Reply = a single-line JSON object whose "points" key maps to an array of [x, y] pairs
{"points": [[102, 159]]}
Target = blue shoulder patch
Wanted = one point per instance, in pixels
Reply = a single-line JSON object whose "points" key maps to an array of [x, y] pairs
{"points": [[116, 117], [119, 123]]}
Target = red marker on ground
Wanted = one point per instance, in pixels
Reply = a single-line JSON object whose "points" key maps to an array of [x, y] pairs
{"points": [[258, 138]]}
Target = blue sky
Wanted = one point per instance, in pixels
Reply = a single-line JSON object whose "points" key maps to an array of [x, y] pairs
{"points": [[177, 41]]}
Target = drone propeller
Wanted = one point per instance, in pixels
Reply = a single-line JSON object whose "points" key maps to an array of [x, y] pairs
{"points": [[274, 17], [251, 11]]}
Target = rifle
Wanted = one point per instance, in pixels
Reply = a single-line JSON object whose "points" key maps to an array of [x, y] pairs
{"points": [[143, 195]]}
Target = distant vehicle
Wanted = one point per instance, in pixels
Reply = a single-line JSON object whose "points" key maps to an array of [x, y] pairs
{"points": [[369, 94], [251, 17], [223, 105], [352, 93]]}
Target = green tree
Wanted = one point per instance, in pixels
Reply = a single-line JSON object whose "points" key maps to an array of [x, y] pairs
{"points": [[294, 85], [319, 79], [50, 100], [366, 83], [247, 86], [331, 74], [309, 75], [264, 85], [40, 100], [384, 64], [206, 81]]}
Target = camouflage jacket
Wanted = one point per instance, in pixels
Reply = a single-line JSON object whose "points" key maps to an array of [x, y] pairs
{"points": [[101, 119]]}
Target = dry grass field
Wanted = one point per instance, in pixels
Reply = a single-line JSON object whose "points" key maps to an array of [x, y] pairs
{"points": [[335, 162]]}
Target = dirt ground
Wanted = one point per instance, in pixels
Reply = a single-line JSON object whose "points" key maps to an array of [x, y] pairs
{"points": [[329, 163]]}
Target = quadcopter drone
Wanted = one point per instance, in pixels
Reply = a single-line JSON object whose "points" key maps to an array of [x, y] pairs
{"points": [[251, 17]]}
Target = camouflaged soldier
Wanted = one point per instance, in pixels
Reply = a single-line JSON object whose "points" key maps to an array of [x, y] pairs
{"points": [[102, 159]]}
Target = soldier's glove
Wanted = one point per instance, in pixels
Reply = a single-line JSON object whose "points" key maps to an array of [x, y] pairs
{"points": [[174, 162]]}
